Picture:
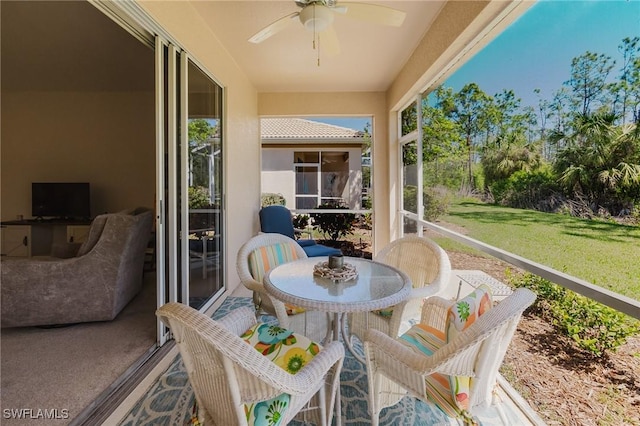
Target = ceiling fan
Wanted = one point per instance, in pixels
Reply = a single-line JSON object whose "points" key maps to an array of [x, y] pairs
{"points": [[317, 16]]}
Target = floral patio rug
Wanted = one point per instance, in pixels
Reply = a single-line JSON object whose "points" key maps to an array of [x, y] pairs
{"points": [[169, 401]]}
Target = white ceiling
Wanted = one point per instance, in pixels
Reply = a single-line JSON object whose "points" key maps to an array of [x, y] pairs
{"points": [[370, 58]]}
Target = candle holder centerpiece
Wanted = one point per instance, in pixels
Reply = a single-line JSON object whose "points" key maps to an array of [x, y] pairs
{"points": [[335, 269]]}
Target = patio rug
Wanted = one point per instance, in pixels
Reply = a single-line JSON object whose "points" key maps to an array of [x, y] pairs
{"points": [[169, 400]]}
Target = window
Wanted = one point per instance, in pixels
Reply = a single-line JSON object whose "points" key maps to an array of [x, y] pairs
{"points": [[321, 177]]}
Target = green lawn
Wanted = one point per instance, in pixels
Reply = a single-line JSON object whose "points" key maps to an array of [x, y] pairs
{"points": [[604, 253]]}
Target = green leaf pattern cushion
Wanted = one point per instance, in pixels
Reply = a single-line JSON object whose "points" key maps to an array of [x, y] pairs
{"points": [[384, 313], [460, 316], [290, 351]]}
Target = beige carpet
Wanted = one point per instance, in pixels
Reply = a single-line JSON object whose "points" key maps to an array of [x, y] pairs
{"points": [[67, 368]]}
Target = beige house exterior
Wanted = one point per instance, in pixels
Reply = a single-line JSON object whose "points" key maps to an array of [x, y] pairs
{"points": [[310, 163]]}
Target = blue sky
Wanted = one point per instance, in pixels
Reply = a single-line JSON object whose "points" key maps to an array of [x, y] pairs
{"points": [[356, 123], [536, 50]]}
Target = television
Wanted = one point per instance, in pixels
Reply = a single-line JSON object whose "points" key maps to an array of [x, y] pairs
{"points": [[61, 200]]}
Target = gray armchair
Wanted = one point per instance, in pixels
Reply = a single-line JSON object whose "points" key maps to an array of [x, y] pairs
{"points": [[95, 285]]}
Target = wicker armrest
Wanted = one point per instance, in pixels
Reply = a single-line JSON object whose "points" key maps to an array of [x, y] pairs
{"points": [[424, 292], [239, 320], [399, 360], [313, 372], [434, 312], [395, 352], [293, 384]]}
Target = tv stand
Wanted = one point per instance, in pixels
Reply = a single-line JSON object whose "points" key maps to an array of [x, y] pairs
{"points": [[36, 237], [50, 221]]}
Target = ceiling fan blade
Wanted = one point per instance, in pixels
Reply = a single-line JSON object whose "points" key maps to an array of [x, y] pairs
{"points": [[374, 13], [273, 28], [329, 42]]}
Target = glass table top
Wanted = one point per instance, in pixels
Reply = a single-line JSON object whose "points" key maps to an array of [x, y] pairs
{"points": [[376, 286]]}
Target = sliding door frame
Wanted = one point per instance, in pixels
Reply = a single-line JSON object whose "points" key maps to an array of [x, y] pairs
{"points": [[171, 156]]}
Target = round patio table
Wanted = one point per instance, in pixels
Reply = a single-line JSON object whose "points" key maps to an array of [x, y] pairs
{"points": [[377, 286]]}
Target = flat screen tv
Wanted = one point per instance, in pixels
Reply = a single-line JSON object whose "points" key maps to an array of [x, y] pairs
{"points": [[61, 200]]}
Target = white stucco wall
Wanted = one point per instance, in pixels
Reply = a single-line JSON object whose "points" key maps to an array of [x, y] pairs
{"points": [[277, 173]]}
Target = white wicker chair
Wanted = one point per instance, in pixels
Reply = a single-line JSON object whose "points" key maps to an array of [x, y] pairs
{"points": [[226, 373], [394, 369], [314, 324], [429, 269]]}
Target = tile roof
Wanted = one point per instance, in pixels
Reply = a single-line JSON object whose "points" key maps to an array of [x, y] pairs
{"points": [[299, 128]]}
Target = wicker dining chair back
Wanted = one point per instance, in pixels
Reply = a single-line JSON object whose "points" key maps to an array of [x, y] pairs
{"points": [[429, 269], [254, 260], [229, 375], [395, 368]]}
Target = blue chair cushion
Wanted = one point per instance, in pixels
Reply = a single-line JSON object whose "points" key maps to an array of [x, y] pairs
{"points": [[320, 250], [277, 219], [306, 242]]}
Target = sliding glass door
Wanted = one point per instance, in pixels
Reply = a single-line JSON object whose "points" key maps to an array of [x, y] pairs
{"points": [[202, 182], [190, 181]]}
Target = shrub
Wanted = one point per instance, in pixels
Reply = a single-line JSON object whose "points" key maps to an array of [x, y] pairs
{"points": [[300, 221], [198, 197], [367, 219], [366, 202], [335, 225], [436, 201], [592, 325], [410, 198], [270, 199], [525, 189]]}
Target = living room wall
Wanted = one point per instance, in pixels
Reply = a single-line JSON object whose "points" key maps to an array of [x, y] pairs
{"points": [[105, 138]]}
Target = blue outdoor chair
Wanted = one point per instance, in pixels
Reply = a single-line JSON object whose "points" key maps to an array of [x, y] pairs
{"points": [[277, 219]]}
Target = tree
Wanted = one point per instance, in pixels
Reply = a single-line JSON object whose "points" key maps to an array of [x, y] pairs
{"points": [[626, 92], [469, 113], [200, 134], [588, 81], [409, 119], [602, 162], [518, 155], [441, 142], [200, 131]]}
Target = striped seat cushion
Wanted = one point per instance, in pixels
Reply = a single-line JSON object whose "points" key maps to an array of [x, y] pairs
{"points": [[426, 340], [263, 259]]}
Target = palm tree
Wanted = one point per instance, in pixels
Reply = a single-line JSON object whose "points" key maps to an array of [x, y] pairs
{"points": [[601, 161]]}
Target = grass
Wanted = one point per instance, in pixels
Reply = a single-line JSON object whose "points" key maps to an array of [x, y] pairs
{"points": [[604, 253]]}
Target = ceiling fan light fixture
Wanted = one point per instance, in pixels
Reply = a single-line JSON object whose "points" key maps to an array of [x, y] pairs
{"points": [[316, 18]]}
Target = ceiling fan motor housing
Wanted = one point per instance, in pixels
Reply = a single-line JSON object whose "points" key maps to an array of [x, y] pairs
{"points": [[316, 17]]}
